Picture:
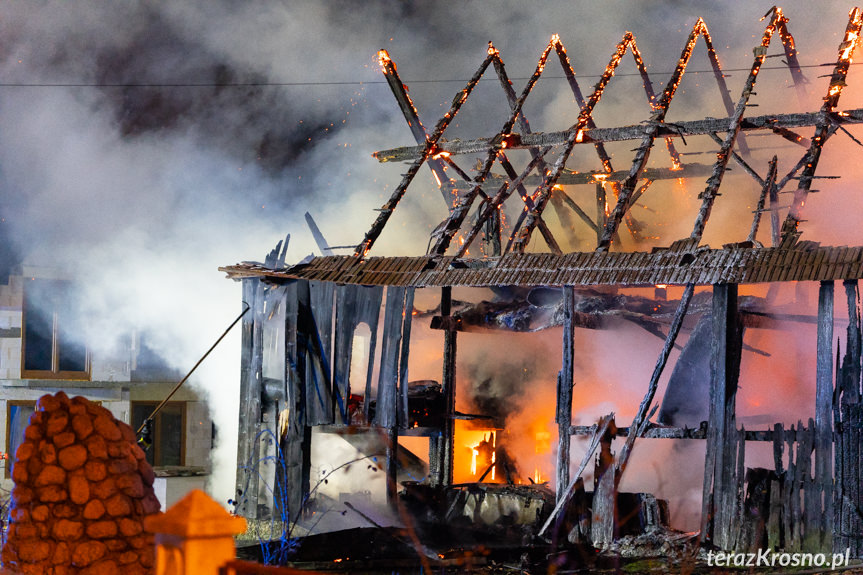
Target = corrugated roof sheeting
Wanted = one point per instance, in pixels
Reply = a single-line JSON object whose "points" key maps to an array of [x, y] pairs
{"points": [[663, 266]]}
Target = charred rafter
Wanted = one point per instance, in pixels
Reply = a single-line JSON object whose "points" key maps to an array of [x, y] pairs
{"points": [[822, 127], [464, 202], [650, 134], [709, 194], [684, 129], [428, 150], [400, 91]]}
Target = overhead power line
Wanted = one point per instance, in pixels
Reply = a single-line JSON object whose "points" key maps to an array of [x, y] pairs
{"points": [[333, 83]]}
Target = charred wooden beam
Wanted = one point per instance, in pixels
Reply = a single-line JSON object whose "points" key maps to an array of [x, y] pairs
{"points": [[604, 520], [712, 190], [565, 384], [400, 91], [604, 157], [407, 320], [250, 389], [641, 420], [831, 100], [427, 150], [297, 438], [492, 207], [824, 411], [522, 191], [524, 127], [441, 472], [464, 201], [543, 193], [598, 431], [316, 321], [648, 135], [685, 129], [724, 92], [392, 468], [720, 480], [740, 161], [791, 58], [767, 190]]}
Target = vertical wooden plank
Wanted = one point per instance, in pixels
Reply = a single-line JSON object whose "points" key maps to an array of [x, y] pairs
{"points": [[249, 413], [839, 538], [853, 491], [778, 441], [737, 496], [812, 510], [726, 346], [797, 488], [273, 395], [851, 365], [343, 345], [774, 522], [788, 493], [392, 448], [448, 385], [604, 492], [296, 434], [386, 407], [407, 320], [824, 410], [564, 393], [314, 323], [323, 309], [372, 310]]}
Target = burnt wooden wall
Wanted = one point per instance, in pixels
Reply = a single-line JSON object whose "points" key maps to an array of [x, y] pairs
{"points": [[297, 349]]}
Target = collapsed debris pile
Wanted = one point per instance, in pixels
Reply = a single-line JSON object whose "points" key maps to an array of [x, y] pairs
{"points": [[82, 490]]}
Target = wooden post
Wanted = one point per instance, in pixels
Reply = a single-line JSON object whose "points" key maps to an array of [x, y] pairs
{"points": [[824, 410], [448, 384], [296, 436], [194, 536], [392, 451], [251, 386], [604, 516], [848, 420], [564, 394], [249, 402], [720, 481]]}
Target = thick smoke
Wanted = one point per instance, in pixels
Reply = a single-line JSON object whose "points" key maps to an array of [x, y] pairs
{"points": [[143, 145]]}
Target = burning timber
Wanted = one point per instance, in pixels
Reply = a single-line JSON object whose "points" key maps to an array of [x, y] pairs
{"points": [[327, 347]]}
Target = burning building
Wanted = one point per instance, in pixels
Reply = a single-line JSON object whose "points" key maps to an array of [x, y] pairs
{"points": [[329, 341]]}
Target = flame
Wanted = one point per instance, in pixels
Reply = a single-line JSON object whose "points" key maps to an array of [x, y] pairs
{"points": [[384, 60], [850, 43], [437, 179], [441, 154], [477, 452]]}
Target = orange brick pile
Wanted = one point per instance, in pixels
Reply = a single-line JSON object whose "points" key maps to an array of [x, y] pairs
{"points": [[82, 490]]}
